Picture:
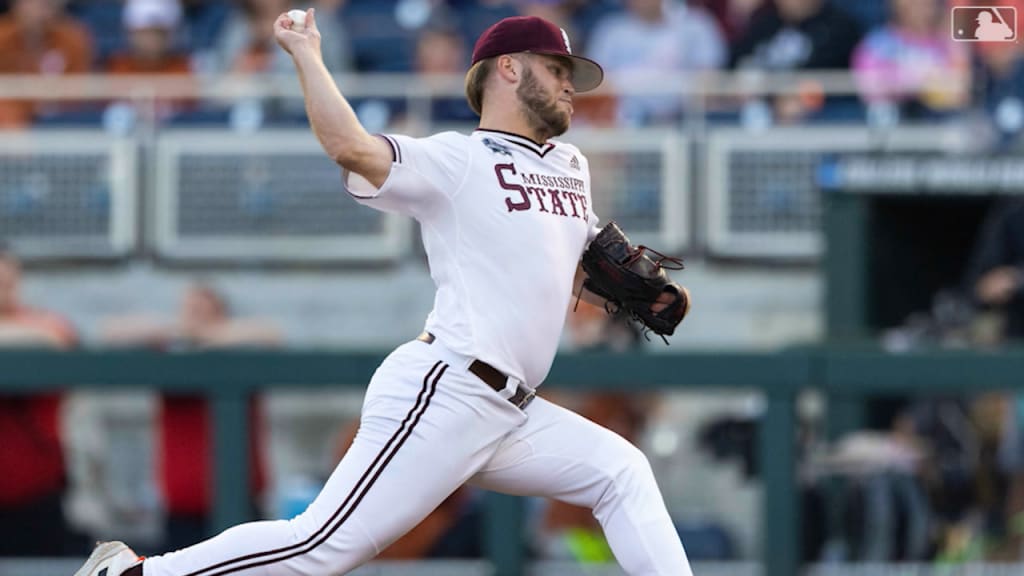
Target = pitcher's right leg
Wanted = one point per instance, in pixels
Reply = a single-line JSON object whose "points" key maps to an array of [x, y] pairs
{"points": [[560, 454]]}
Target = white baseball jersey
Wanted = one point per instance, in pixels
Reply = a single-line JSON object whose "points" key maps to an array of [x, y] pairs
{"points": [[504, 223]]}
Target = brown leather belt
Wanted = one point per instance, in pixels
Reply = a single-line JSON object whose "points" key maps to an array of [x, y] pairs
{"points": [[491, 376]]}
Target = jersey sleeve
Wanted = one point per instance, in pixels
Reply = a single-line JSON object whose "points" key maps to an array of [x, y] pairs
{"points": [[425, 173]]}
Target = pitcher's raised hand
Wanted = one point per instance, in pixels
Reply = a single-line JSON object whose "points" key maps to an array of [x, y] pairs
{"points": [[292, 41]]}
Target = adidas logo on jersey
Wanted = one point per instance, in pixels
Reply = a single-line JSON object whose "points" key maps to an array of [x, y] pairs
{"points": [[574, 163]]}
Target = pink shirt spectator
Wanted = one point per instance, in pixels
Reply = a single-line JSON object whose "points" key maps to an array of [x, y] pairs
{"points": [[894, 65]]}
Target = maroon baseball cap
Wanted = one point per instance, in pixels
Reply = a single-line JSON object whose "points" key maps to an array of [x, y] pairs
{"points": [[537, 36]]}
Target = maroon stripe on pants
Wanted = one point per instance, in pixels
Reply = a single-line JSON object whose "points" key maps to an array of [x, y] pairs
{"points": [[325, 531]]}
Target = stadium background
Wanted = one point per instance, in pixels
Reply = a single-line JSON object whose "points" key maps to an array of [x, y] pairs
{"points": [[839, 398]]}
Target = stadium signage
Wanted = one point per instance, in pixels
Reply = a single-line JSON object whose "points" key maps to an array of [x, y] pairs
{"points": [[921, 174]]}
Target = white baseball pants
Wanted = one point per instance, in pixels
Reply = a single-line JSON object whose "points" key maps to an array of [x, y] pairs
{"points": [[428, 425]]}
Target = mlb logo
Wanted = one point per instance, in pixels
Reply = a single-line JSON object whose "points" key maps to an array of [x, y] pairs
{"points": [[984, 23]]}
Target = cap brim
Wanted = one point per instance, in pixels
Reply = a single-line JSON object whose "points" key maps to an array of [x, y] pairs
{"points": [[586, 74]]}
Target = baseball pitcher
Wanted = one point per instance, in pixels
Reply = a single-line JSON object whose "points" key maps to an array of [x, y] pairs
{"points": [[511, 236]]}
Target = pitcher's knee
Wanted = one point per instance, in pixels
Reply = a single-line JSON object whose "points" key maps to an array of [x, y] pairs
{"points": [[628, 471], [638, 467], [305, 525]]}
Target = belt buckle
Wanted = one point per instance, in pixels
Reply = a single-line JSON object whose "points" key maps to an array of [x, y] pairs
{"points": [[525, 401]]}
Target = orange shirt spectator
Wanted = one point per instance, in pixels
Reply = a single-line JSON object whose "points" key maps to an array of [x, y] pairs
{"points": [[246, 43], [36, 37], [151, 26]]}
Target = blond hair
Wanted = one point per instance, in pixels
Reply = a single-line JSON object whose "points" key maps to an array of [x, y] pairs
{"points": [[476, 80]]}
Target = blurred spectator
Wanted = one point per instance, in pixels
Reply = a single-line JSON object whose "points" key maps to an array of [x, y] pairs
{"points": [[184, 453], [247, 46], [798, 35], [439, 52], [998, 82], [204, 321], [637, 48], [21, 325], [37, 37], [442, 53], [204, 20], [995, 279], [32, 520], [558, 11], [996, 270], [152, 27], [247, 43], [733, 16], [913, 62]]}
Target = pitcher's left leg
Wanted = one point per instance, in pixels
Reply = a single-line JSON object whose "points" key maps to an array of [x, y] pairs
{"points": [[560, 454], [426, 426]]}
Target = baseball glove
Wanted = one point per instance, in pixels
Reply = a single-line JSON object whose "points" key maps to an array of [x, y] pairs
{"points": [[631, 281]]}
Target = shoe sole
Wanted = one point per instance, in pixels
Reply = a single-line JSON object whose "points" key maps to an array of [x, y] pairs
{"points": [[102, 553]]}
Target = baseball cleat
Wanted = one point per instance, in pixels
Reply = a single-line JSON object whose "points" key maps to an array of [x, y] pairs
{"points": [[109, 559]]}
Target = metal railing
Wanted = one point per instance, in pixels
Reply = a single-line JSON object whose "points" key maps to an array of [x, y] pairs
{"points": [[220, 195], [846, 376], [709, 83], [752, 186], [69, 194]]}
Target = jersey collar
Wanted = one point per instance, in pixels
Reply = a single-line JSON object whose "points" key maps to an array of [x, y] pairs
{"points": [[521, 141]]}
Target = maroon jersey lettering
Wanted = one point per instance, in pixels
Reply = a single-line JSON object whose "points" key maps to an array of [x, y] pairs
{"points": [[539, 193], [556, 202], [524, 202], [571, 197]]}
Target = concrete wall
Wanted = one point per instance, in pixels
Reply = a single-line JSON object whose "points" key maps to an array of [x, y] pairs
{"points": [[734, 306]]}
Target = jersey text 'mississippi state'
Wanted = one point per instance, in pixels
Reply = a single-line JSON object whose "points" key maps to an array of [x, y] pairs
{"points": [[554, 194]]}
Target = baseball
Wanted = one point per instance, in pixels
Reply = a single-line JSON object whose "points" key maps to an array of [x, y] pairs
{"points": [[298, 18]]}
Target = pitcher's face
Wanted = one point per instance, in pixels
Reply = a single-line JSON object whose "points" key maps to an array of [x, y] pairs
{"points": [[545, 93]]}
